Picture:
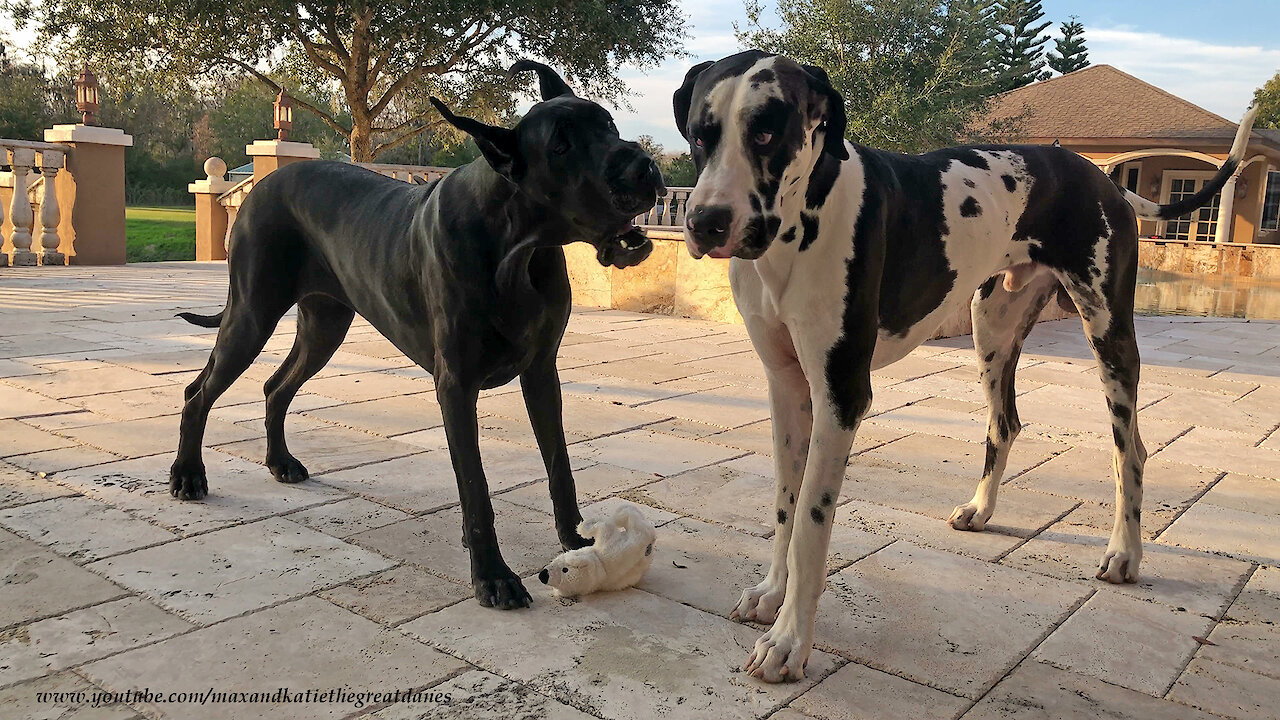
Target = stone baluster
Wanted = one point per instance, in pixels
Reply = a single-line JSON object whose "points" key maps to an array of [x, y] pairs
{"points": [[682, 206], [20, 212], [4, 257], [50, 213]]}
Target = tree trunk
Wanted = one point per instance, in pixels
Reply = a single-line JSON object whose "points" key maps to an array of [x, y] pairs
{"points": [[361, 141]]}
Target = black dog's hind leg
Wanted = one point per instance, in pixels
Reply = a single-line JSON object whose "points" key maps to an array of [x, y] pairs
{"points": [[540, 384], [1001, 322], [322, 325], [244, 331], [494, 583]]}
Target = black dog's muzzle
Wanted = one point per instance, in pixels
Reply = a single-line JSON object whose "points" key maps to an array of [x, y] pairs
{"points": [[627, 249]]}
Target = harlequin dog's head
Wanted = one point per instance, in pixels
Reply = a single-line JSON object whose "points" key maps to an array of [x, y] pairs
{"points": [[565, 154], [755, 123]]}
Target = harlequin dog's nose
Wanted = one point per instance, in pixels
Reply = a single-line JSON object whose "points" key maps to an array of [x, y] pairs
{"points": [[544, 576], [709, 225]]}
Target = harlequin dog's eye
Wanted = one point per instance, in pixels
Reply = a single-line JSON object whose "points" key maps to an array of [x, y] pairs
{"points": [[697, 141], [762, 138]]}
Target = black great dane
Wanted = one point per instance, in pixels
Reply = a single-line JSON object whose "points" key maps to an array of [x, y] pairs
{"points": [[846, 258], [466, 276]]}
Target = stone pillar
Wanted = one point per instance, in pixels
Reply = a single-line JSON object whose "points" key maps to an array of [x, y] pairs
{"points": [[1226, 210], [271, 155], [211, 217], [92, 188]]}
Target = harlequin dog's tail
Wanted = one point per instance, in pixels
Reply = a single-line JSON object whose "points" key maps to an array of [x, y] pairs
{"points": [[1148, 210], [209, 321]]}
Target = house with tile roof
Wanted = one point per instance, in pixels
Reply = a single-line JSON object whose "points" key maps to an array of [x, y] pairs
{"points": [[1157, 145]]}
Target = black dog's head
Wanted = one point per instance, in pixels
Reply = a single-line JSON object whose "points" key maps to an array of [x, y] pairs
{"points": [[565, 154], [753, 120]]}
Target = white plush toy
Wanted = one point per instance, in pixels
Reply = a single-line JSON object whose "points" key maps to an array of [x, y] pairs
{"points": [[620, 555]]}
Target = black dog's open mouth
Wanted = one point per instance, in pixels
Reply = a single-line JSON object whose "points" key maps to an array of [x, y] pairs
{"points": [[629, 246]]}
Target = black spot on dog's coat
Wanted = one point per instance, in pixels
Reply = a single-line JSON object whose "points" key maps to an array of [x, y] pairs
{"points": [[826, 498], [1009, 183], [791, 500], [763, 75], [969, 183], [970, 207], [782, 516], [789, 235], [818, 516], [810, 223]]}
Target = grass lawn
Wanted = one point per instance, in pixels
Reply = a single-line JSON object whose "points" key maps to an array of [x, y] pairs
{"points": [[153, 234]]}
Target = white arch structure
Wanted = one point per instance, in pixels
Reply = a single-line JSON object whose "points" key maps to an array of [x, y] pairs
{"points": [[1226, 206]]}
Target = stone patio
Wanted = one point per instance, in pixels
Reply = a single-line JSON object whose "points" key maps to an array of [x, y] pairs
{"points": [[356, 580]]}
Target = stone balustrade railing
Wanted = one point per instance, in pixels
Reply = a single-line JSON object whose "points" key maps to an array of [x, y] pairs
{"points": [[414, 174], [667, 213], [30, 187]]}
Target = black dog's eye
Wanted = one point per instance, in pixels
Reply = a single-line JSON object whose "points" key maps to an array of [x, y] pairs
{"points": [[560, 142], [762, 138]]}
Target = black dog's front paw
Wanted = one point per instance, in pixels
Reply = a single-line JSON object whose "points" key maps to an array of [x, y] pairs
{"points": [[288, 470], [573, 541], [187, 480], [504, 593]]}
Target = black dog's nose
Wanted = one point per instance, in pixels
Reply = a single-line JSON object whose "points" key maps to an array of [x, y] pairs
{"points": [[709, 224], [544, 576]]}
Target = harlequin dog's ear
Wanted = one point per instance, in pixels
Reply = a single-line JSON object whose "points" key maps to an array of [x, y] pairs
{"points": [[835, 119], [683, 97]]}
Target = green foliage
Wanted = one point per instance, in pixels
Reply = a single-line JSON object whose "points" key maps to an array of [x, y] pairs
{"points": [[1019, 46], [384, 57], [679, 171], [1267, 98], [156, 234], [914, 73], [1071, 52]]}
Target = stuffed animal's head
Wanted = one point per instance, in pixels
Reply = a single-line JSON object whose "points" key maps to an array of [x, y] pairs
{"points": [[577, 572]]}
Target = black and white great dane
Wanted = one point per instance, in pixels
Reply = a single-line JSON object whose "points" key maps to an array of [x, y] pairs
{"points": [[466, 276], [846, 258]]}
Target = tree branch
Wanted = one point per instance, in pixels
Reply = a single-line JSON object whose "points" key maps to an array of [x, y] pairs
{"points": [[405, 137], [439, 68]]}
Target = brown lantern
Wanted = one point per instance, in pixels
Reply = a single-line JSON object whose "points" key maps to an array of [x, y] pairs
{"points": [[283, 115], [87, 94]]}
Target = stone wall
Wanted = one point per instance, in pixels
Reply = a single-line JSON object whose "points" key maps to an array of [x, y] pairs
{"points": [[671, 282], [1227, 260]]}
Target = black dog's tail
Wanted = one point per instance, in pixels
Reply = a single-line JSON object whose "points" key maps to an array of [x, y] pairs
{"points": [[1148, 210], [209, 321]]}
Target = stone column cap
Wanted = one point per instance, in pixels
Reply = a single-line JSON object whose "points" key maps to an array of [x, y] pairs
{"points": [[282, 148], [210, 187], [88, 134]]}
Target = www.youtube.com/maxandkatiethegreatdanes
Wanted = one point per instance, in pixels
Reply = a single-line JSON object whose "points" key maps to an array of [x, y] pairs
{"points": [[330, 696]]}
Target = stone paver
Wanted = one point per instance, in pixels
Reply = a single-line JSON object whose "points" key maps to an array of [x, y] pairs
{"points": [[227, 572], [975, 621], [358, 578], [663, 658], [309, 644]]}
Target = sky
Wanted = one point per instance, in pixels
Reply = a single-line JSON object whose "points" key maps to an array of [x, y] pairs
{"points": [[1211, 52]]}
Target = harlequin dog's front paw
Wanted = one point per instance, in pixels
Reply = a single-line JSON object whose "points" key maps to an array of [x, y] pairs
{"points": [[1119, 566], [969, 517], [779, 655], [760, 603]]}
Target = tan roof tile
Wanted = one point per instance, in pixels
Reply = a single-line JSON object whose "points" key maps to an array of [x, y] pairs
{"points": [[1103, 102]]}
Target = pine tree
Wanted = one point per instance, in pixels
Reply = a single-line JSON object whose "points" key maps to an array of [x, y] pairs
{"points": [[1019, 45], [1072, 55]]}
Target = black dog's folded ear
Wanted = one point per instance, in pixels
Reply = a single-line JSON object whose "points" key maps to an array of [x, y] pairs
{"points": [[549, 81], [497, 144], [836, 119], [684, 97]]}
